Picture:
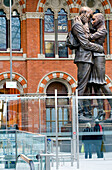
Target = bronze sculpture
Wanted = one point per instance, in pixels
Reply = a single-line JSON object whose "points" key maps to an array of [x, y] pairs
{"points": [[83, 54], [89, 56]]}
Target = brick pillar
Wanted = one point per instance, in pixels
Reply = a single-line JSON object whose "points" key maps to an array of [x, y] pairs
{"points": [[33, 37], [23, 36]]}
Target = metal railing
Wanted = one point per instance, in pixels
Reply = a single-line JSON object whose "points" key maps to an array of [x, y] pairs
{"points": [[26, 160]]}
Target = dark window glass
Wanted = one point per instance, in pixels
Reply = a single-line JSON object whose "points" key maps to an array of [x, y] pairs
{"points": [[49, 49], [15, 31], [49, 21], [62, 50], [62, 21], [2, 30], [7, 2]]}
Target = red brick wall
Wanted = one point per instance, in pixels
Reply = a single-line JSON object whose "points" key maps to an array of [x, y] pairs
{"points": [[31, 5], [33, 38], [38, 69]]}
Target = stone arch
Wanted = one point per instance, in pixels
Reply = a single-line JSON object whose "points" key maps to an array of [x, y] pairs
{"points": [[74, 6], [59, 76], [21, 81]]}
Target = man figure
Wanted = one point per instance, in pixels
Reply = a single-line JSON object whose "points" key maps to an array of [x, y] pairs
{"points": [[83, 55]]}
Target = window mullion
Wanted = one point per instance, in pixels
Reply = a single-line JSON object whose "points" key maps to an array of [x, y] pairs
{"points": [[41, 37], [56, 37], [8, 33]]}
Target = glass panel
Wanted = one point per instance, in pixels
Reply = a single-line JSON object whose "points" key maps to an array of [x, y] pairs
{"points": [[62, 50], [15, 33], [62, 21], [2, 12], [65, 114], [49, 21], [49, 49], [53, 127], [60, 125], [48, 126], [49, 11], [48, 114], [2, 32], [53, 114], [60, 113]]}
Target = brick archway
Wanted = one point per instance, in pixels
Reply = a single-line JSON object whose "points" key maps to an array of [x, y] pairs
{"points": [[74, 8], [17, 77], [54, 76]]}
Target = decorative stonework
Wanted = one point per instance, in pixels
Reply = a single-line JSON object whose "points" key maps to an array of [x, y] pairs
{"points": [[55, 6], [34, 15], [21, 81], [108, 57], [73, 6], [18, 5], [108, 16], [57, 76]]}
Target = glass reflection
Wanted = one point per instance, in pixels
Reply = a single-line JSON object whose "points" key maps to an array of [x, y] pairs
{"points": [[49, 21], [62, 21], [62, 50], [15, 31], [49, 49]]}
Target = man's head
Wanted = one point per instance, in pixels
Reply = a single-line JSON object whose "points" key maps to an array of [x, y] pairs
{"points": [[85, 14], [88, 125], [97, 121], [98, 20]]}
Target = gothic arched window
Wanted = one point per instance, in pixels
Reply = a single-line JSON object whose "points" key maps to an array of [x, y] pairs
{"points": [[5, 31], [62, 21], [54, 43], [16, 31]]}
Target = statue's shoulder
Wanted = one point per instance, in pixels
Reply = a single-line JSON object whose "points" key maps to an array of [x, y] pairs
{"points": [[77, 22]]}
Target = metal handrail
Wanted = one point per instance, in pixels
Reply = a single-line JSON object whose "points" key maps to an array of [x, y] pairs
{"points": [[27, 160]]}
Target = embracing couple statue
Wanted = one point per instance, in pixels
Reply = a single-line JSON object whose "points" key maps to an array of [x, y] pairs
{"points": [[89, 56]]}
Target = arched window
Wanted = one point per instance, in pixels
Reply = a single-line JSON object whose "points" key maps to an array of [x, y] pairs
{"points": [[62, 21], [54, 43], [15, 31], [63, 109], [5, 33], [3, 44], [49, 21]]}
